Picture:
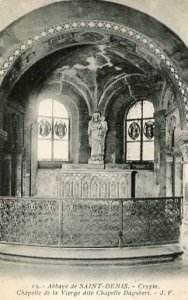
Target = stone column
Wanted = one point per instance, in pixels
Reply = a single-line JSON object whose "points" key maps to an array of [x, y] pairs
{"points": [[7, 178], [1, 169], [183, 144], [19, 173], [25, 176], [169, 171], [34, 161], [3, 137], [178, 175], [160, 151], [30, 155], [174, 176], [4, 160]]}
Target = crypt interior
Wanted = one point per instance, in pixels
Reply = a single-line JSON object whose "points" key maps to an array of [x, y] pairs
{"points": [[60, 76]]}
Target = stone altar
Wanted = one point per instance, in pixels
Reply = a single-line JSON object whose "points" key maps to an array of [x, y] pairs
{"points": [[95, 184], [90, 216], [84, 181]]}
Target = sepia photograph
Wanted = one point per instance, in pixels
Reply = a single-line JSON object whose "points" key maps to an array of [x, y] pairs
{"points": [[94, 149]]}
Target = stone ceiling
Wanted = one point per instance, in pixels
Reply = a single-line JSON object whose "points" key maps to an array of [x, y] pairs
{"points": [[140, 48], [95, 68]]}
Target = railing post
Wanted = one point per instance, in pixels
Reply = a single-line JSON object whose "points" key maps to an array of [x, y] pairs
{"points": [[60, 219], [181, 211], [120, 233]]}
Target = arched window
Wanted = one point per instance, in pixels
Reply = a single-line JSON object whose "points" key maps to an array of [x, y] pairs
{"points": [[139, 135], [53, 131]]}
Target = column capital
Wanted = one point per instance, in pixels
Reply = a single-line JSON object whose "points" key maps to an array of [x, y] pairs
{"points": [[174, 152], [159, 113], [184, 150], [182, 142], [182, 138]]}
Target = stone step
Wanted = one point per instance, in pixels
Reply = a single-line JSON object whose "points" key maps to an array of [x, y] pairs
{"points": [[91, 256]]}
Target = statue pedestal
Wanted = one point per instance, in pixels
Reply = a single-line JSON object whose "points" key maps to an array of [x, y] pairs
{"points": [[83, 166]]}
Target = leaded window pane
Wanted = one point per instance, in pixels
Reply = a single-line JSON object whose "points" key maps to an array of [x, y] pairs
{"points": [[44, 149], [61, 150], [148, 109], [61, 129], [148, 130], [140, 132], [133, 151], [53, 131], [44, 128], [59, 110], [45, 107], [148, 151], [133, 130], [135, 111]]}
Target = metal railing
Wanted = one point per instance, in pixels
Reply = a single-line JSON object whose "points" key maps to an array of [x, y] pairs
{"points": [[58, 222]]}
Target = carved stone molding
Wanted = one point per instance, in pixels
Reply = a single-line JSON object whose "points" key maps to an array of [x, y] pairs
{"points": [[184, 150], [160, 121], [175, 152], [95, 185], [98, 26], [182, 142], [84, 184]]}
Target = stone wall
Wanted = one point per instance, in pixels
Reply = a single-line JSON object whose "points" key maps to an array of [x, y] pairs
{"points": [[11, 156], [146, 184]]}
